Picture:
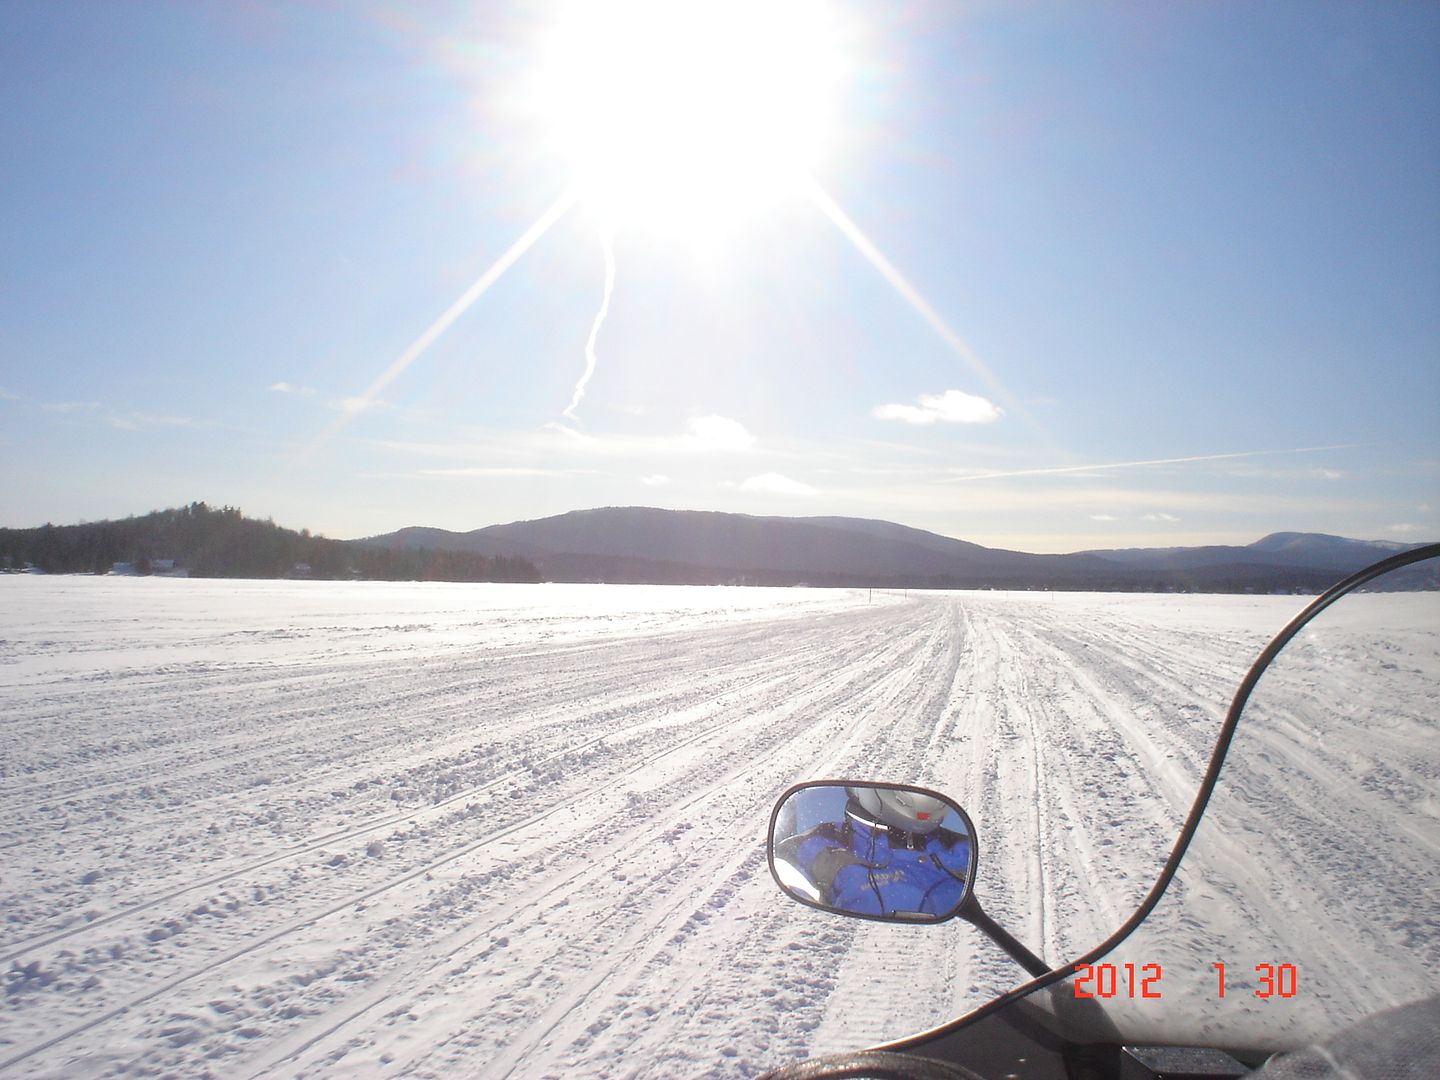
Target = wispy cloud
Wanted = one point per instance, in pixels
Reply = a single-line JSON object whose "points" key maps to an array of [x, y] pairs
{"points": [[141, 421], [457, 449], [1103, 517], [70, 406], [1168, 518], [775, 484], [655, 480], [501, 471], [1147, 463], [1291, 474], [949, 407], [292, 388], [6, 395]]}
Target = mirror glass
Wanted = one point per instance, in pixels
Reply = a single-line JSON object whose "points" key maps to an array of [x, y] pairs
{"points": [[878, 851]]}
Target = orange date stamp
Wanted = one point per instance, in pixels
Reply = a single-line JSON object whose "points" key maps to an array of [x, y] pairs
{"points": [[1139, 982]]}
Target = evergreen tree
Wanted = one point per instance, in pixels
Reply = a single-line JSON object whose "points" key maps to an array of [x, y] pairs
{"points": [[224, 543]]}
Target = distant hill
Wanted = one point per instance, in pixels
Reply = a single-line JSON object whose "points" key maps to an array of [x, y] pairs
{"points": [[202, 541], [642, 544], [1315, 550]]}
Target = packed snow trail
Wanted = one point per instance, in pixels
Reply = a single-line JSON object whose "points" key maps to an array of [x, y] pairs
{"points": [[277, 829]]}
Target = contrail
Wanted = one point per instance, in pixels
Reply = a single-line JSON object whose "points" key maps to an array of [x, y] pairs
{"points": [[454, 311], [1142, 464], [607, 240]]}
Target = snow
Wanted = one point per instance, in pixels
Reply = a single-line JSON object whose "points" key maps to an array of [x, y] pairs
{"points": [[322, 829], [1321, 848]]}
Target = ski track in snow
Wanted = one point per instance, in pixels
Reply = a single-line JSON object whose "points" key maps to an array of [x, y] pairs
{"points": [[312, 829]]}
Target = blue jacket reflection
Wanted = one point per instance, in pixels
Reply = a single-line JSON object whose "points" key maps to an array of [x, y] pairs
{"points": [[867, 868]]}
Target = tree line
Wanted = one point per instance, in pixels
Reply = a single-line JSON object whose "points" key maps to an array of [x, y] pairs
{"points": [[209, 542]]}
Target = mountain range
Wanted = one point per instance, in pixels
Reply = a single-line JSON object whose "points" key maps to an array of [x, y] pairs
{"points": [[643, 545]]}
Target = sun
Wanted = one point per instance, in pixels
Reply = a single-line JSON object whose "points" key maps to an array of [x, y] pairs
{"points": [[686, 115]]}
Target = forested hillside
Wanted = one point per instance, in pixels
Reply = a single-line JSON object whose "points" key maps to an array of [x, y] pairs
{"points": [[209, 542]]}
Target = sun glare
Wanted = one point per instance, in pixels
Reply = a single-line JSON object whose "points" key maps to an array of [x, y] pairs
{"points": [[688, 114]]}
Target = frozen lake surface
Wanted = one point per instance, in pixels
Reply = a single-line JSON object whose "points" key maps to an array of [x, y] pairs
{"points": [[328, 829]]}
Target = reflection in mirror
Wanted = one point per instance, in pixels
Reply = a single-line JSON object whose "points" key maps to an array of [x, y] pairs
{"points": [[879, 851]]}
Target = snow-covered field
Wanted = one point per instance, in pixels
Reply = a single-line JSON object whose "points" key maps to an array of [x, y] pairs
{"points": [[279, 829]]}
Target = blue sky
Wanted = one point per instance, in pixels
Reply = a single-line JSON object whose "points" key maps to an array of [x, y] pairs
{"points": [[1056, 276]]}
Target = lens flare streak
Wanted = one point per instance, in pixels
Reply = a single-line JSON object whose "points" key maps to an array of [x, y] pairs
{"points": [[842, 221], [482, 284]]}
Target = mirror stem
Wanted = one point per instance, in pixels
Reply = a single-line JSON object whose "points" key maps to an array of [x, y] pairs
{"points": [[972, 912]]}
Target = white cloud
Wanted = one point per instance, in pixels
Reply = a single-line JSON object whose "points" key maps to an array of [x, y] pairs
{"points": [[6, 395], [70, 406], [1170, 518], [1328, 474], [354, 406], [701, 435], [1103, 517], [655, 480], [951, 407], [718, 433], [775, 484], [1407, 529], [291, 388], [120, 423]]}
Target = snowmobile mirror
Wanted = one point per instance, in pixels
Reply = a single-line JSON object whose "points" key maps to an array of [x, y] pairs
{"points": [[890, 852]]}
